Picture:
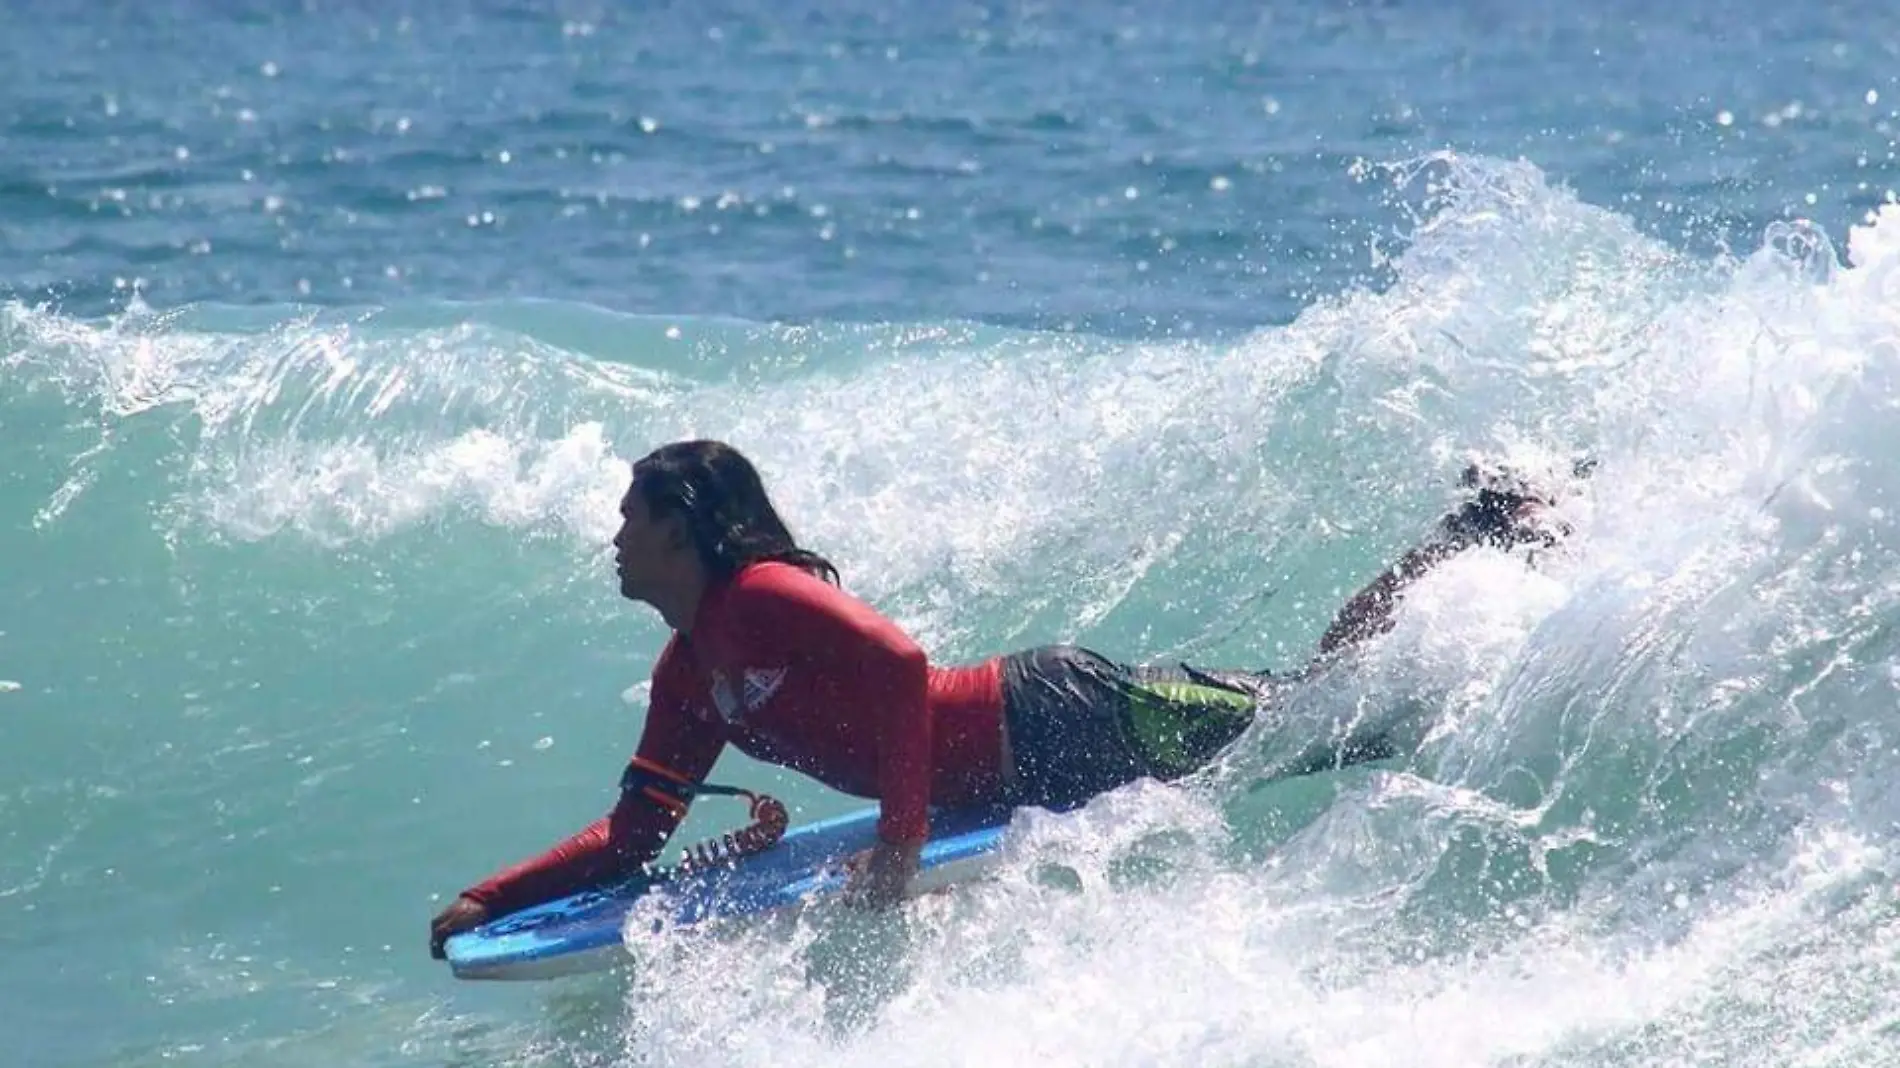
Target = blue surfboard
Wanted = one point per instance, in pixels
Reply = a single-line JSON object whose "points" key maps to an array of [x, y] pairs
{"points": [[583, 933]]}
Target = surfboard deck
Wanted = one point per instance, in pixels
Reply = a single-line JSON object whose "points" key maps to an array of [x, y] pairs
{"points": [[584, 932]]}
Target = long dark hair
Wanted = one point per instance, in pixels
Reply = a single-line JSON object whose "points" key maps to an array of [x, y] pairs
{"points": [[717, 491]]}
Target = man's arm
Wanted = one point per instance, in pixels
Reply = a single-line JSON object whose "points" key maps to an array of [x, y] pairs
{"points": [[676, 752], [875, 665]]}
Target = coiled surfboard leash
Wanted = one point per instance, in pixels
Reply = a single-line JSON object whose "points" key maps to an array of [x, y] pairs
{"points": [[769, 820], [670, 790]]}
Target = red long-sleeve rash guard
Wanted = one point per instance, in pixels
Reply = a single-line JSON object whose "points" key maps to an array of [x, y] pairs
{"points": [[792, 671]]}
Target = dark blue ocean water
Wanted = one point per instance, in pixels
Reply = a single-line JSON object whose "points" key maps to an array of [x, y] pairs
{"points": [[1105, 167], [327, 332]]}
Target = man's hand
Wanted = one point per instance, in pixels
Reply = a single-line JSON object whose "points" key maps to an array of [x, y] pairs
{"points": [[461, 915], [880, 875]]}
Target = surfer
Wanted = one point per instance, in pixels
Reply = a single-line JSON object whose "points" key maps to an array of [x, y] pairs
{"points": [[771, 656]]}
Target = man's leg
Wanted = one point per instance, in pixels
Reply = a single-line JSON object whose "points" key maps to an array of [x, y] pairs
{"points": [[1506, 512], [1168, 720]]}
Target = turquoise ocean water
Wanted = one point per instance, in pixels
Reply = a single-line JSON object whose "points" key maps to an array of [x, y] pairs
{"points": [[329, 330]]}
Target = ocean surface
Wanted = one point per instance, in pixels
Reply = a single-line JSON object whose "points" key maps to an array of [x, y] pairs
{"points": [[327, 332]]}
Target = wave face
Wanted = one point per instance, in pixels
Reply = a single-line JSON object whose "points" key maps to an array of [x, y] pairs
{"points": [[309, 621]]}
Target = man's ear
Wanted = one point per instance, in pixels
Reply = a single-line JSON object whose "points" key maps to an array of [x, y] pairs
{"points": [[677, 536]]}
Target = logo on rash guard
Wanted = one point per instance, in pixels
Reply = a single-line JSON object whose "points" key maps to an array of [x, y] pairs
{"points": [[760, 685]]}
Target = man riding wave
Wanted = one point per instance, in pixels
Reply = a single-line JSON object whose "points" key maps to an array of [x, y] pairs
{"points": [[770, 655]]}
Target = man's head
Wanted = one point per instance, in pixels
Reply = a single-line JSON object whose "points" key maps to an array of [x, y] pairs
{"points": [[698, 510]]}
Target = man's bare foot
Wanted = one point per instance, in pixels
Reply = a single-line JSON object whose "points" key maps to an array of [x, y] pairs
{"points": [[1508, 509]]}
